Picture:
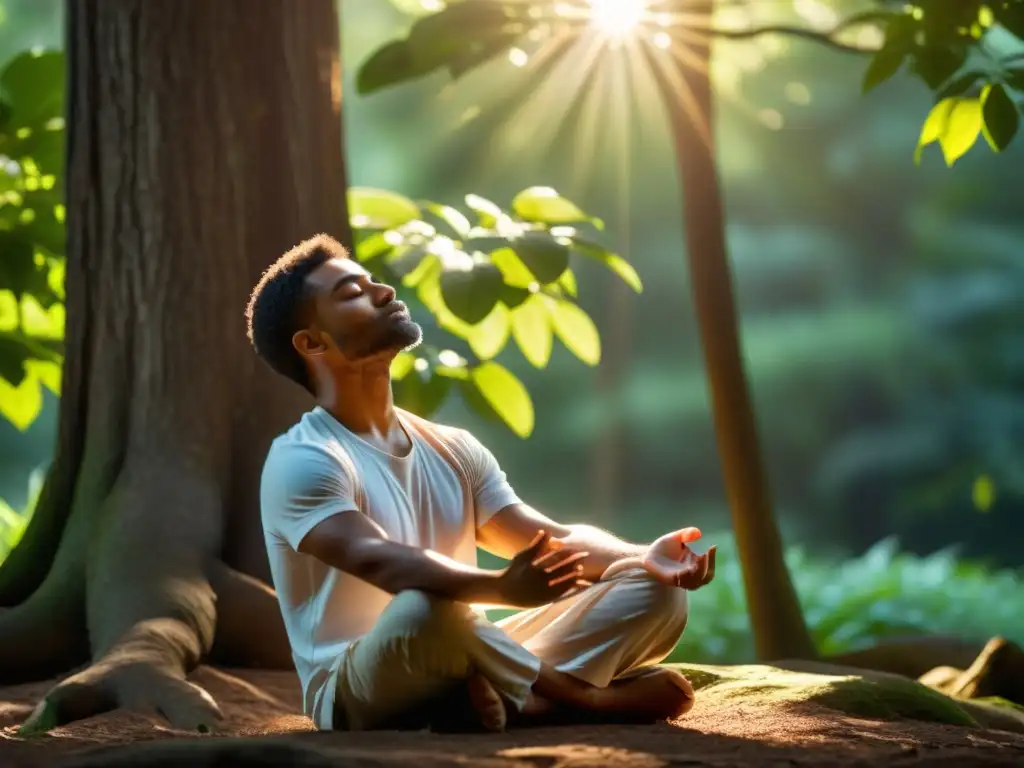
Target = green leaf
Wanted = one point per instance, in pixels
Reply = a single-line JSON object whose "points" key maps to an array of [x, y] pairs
{"points": [[478, 403], [460, 36], [983, 493], [21, 405], [471, 293], [885, 63], [543, 255], [545, 205], [453, 217], [613, 261], [488, 214], [513, 271], [576, 330], [962, 129], [568, 283], [48, 374], [389, 65], [488, 337], [33, 87], [379, 208], [401, 365], [512, 296], [1000, 117], [531, 328], [13, 356], [439, 36], [20, 271], [373, 246], [955, 124], [422, 392], [507, 395]]}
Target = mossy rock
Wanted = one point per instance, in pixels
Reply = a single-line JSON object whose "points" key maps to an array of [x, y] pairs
{"points": [[853, 692]]}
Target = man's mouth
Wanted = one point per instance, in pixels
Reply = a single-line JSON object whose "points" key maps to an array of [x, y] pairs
{"points": [[396, 308]]}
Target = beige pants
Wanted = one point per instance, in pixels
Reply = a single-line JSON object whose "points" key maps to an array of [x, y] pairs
{"points": [[422, 646]]}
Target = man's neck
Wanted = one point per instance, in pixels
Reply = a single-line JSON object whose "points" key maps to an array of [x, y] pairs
{"points": [[359, 397]]}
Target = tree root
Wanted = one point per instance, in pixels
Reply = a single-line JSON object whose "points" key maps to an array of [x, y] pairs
{"points": [[140, 679], [912, 656], [250, 630]]}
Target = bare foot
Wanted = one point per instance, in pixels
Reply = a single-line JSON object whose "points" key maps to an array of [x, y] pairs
{"points": [[486, 703], [661, 694]]}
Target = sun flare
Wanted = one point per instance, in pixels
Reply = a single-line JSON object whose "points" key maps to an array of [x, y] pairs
{"points": [[616, 18]]}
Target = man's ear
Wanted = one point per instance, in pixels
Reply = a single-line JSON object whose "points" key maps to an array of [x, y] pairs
{"points": [[308, 343]]}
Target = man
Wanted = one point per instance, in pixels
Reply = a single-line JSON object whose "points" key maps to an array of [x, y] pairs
{"points": [[372, 519]]}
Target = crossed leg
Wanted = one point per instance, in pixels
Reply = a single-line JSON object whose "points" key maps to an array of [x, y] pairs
{"points": [[423, 648]]}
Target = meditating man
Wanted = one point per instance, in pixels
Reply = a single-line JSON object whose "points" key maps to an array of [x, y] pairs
{"points": [[372, 520]]}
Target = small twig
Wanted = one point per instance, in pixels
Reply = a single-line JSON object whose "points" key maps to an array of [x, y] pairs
{"points": [[825, 38]]}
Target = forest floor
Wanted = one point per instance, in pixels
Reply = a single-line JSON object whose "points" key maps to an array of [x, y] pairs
{"points": [[724, 729]]}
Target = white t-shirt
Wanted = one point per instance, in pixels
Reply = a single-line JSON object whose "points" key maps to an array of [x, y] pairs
{"points": [[319, 468]]}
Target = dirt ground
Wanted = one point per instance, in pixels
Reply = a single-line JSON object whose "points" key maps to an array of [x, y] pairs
{"points": [[262, 708]]}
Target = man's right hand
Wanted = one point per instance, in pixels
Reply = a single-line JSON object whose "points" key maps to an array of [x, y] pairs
{"points": [[533, 579]]}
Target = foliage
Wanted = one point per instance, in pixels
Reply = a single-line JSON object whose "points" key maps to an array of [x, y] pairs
{"points": [[968, 52], [881, 594], [485, 278], [31, 232], [13, 522]]}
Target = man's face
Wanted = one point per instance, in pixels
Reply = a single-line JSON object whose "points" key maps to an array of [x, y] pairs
{"points": [[359, 315]]}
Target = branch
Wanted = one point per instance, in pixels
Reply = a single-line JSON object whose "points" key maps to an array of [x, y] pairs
{"points": [[827, 38]]}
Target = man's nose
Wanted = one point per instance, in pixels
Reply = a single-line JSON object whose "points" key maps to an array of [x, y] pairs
{"points": [[385, 294]]}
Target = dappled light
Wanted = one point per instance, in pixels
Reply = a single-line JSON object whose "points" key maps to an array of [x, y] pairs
{"points": [[430, 373]]}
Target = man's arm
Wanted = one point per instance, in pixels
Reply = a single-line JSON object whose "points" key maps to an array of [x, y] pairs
{"points": [[353, 543], [515, 526]]}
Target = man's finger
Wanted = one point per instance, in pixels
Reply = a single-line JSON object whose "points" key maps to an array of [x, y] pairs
{"points": [[573, 575], [686, 535], [566, 561], [711, 566], [538, 543]]}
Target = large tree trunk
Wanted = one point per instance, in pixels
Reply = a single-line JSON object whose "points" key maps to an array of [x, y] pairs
{"points": [[775, 614], [204, 140]]}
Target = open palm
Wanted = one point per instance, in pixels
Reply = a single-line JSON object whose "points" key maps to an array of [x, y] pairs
{"points": [[671, 561]]}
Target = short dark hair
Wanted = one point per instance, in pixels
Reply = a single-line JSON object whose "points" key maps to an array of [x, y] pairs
{"points": [[274, 312]]}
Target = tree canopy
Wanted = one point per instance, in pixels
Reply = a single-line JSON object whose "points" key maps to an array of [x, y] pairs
{"points": [[967, 52]]}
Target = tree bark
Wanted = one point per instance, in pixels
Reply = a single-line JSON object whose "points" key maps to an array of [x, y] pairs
{"points": [[775, 614], [204, 140]]}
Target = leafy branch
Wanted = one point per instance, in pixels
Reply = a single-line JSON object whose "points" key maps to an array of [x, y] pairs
{"points": [[486, 278], [935, 40]]}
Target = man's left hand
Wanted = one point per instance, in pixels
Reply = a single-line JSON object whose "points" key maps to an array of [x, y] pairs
{"points": [[671, 561]]}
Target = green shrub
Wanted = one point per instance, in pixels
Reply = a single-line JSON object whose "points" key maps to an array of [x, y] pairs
{"points": [[883, 593]]}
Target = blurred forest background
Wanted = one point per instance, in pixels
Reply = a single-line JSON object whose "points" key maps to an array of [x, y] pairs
{"points": [[882, 308]]}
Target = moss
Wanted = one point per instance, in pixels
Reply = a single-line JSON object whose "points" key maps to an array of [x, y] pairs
{"points": [[883, 697]]}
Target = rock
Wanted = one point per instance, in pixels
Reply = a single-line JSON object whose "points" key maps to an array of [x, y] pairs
{"points": [[854, 692]]}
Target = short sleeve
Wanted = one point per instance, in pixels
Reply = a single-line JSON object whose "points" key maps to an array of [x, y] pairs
{"points": [[302, 485], [491, 490]]}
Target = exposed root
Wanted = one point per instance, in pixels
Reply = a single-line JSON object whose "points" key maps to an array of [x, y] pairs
{"points": [[250, 629], [141, 683], [912, 656]]}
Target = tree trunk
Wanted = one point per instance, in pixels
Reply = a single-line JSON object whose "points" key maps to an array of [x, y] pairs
{"points": [[204, 140], [775, 614]]}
